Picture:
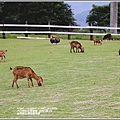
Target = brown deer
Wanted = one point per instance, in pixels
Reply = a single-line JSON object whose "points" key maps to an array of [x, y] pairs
{"points": [[77, 45], [97, 41], [2, 55], [20, 72]]}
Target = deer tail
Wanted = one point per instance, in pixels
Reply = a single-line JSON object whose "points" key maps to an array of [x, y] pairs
{"points": [[10, 68]]}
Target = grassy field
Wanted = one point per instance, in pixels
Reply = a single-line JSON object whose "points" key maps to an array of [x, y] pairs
{"points": [[76, 85]]}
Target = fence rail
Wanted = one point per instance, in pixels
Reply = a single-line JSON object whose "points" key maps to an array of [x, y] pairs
{"points": [[52, 32], [26, 32], [57, 26]]}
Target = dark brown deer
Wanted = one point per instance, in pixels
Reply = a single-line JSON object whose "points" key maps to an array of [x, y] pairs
{"points": [[108, 37], [20, 72], [77, 45], [3, 55]]}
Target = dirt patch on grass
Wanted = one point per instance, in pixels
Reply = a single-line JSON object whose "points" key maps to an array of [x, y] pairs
{"points": [[83, 102]]}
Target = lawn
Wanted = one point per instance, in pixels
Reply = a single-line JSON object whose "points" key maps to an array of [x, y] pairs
{"points": [[76, 85]]}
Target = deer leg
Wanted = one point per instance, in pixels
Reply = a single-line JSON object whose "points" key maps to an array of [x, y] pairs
{"points": [[1, 59], [17, 84], [4, 58], [71, 49], [15, 81], [28, 82], [31, 81], [79, 49], [76, 49]]}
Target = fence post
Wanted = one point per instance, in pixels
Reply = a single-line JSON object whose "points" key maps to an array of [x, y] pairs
{"points": [[91, 36], [69, 36], [26, 34], [49, 30], [3, 27], [3, 35]]}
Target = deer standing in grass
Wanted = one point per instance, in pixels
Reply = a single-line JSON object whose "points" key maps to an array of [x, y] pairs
{"points": [[2, 55], [20, 72]]}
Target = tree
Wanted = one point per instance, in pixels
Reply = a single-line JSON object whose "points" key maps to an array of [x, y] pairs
{"points": [[99, 16], [58, 13]]}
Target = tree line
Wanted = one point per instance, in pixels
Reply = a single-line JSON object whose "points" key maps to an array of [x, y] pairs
{"points": [[42, 13], [54, 13], [37, 13]]}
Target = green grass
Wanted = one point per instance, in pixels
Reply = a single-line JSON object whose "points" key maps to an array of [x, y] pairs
{"points": [[76, 85]]}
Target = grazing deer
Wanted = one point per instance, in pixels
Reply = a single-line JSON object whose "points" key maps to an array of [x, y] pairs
{"points": [[97, 41], [20, 72], [77, 45]]}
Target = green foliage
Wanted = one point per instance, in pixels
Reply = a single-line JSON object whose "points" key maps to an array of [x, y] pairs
{"points": [[99, 16], [76, 85], [116, 37], [57, 13]]}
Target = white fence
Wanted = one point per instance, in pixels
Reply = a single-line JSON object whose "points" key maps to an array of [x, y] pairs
{"points": [[56, 26]]}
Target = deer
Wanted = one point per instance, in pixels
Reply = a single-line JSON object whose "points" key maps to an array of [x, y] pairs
{"points": [[21, 72], [3, 55]]}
